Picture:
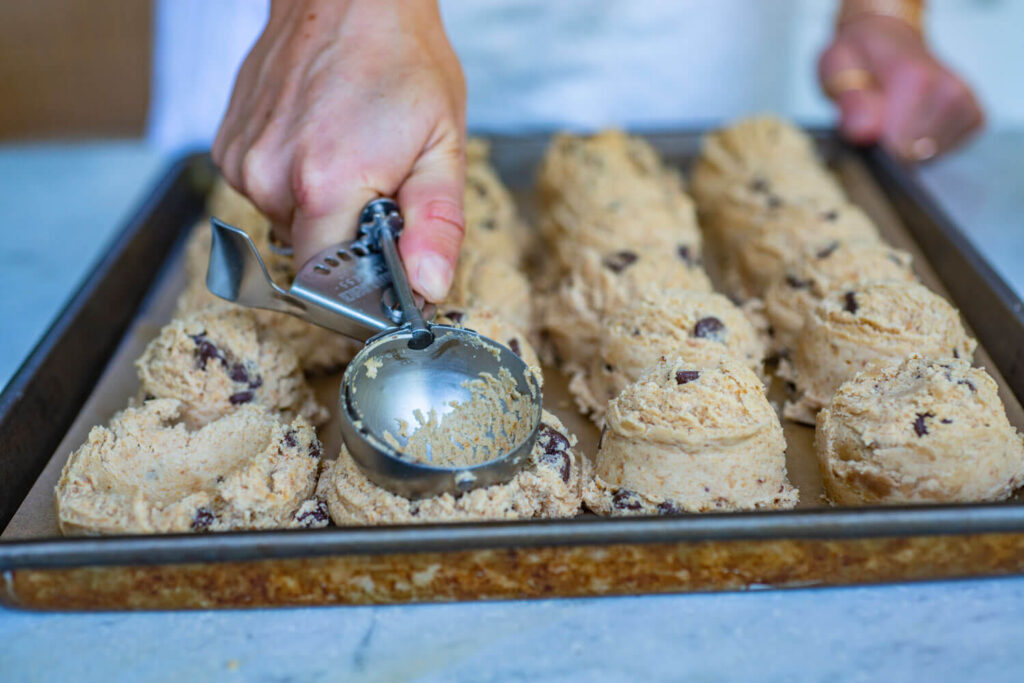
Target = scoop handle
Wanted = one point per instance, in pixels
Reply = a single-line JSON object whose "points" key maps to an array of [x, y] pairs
{"points": [[381, 222]]}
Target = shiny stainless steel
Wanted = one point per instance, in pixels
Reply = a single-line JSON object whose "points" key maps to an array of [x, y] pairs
{"points": [[403, 379], [342, 288], [381, 222]]}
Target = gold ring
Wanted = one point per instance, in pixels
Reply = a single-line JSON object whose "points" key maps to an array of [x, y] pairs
{"points": [[924, 148], [846, 80]]}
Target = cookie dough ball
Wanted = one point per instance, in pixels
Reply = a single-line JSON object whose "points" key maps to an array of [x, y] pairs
{"points": [[219, 359], [696, 326], [752, 265], [550, 486], [871, 324], [596, 285], [495, 284], [923, 431], [818, 271], [147, 472], [491, 325], [610, 192], [493, 227], [691, 438]]}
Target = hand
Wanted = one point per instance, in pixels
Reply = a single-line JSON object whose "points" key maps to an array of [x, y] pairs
{"points": [[907, 99], [340, 102]]}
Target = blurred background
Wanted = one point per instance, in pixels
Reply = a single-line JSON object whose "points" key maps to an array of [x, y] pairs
{"points": [[99, 96]]}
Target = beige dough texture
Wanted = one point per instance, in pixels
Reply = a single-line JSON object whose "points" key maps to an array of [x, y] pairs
{"points": [[147, 472], [484, 282], [219, 359], [493, 226], [571, 314], [551, 485], [751, 266], [817, 271], [922, 431], [697, 327], [691, 438], [872, 323], [611, 192]]}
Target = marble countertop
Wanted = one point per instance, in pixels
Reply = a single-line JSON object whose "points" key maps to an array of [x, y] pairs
{"points": [[60, 204]]}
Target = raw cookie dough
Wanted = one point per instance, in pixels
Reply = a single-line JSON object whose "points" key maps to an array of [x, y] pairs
{"points": [[611, 192], [816, 271], [691, 438], [697, 327], [219, 359], [550, 486], [751, 266], [493, 226], [872, 323], [596, 285], [491, 325], [923, 431], [148, 473], [484, 282]]}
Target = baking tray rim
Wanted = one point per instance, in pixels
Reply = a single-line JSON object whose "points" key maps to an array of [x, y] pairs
{"points": [[834, 523]]}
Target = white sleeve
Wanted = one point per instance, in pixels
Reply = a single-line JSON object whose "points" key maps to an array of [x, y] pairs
{"points": [[197, 48]]}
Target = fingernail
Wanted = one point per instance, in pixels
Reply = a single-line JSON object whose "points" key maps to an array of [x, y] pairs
{"points": [[433, 277]]}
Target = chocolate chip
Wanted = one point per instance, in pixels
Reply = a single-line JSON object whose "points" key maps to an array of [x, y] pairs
{"points": [[625, 500], [759, 185], [489, 224], [619, 261], [684, 376], [636, 331], [455, 316], [240, 397], [238, 373], [289, 439], [684, 253], [514, 345], [969, 385], [314, 517], [668, 508], [709, 328], [315, 451], [608, 368], [205, 350], [774, 201], [956, 353], [946, 421], [828, 250], [202, 519], [797, 283], [556, 448], [850, 302], [830, 216], [920, 428]]}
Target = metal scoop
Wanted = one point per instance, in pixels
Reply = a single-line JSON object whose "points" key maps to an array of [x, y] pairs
{"points": [[408, 366]]}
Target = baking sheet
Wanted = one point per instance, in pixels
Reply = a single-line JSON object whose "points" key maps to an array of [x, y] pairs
{"points": [[516, 161]]}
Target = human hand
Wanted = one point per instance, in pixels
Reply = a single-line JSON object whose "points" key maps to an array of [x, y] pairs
{"points": [[891, 89], [340, 102]]}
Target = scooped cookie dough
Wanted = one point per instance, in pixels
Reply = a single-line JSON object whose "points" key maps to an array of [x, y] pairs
{"points": [[872, 324], [147, 472], [695, 326], [491, 325], [550, 486], [495, 284], [817, 271], [596, 285], [493, 226], [219, 359], [691, 438], [610, 192], [752, 265], [923, 431]]}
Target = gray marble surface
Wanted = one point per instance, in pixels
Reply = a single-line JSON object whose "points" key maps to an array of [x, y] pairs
{"points": [[59, 204]]}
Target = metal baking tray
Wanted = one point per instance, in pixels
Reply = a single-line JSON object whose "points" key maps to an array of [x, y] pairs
{"points": [[64, 387]]}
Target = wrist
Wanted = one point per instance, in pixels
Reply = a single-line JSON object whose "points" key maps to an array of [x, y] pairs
{"points": [[909, 13]]}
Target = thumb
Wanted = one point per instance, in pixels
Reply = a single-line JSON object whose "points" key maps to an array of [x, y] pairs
{"points": [[431, 200], [845, 76]]}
